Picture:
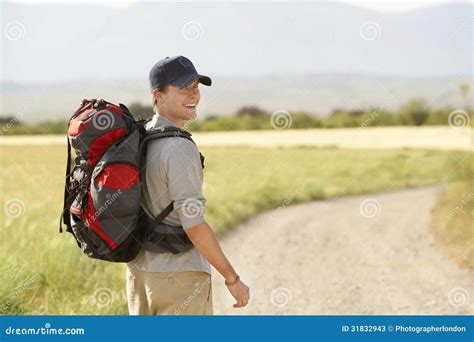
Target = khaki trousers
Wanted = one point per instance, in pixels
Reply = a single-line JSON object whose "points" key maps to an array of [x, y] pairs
{"points": [[169, 293]]}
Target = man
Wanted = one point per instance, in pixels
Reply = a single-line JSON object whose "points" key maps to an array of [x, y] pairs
{"points": [[167, 283]]}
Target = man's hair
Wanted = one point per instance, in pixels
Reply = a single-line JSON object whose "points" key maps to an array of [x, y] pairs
{"points": [[161, 89]]}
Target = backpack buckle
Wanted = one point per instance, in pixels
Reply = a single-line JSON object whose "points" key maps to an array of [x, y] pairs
{"points": [[99, 104], [98, 168]]}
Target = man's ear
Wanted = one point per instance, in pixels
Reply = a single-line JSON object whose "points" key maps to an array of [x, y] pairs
{"points": [[156, 93]]}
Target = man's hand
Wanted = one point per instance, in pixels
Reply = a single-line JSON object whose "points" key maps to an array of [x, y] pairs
{"points": [[203, 238], [241, 293]]}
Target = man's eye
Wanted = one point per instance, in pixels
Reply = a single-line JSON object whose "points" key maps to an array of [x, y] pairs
{"points": [[192, 87]]}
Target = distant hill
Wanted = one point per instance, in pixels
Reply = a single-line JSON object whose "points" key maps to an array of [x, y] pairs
{"points": [[312, 56]]}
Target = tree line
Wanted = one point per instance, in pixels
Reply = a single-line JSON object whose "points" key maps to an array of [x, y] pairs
{"points": [[416, 112]]}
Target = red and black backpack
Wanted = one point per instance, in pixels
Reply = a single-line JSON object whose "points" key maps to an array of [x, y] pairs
{"points": [[103, 185]]}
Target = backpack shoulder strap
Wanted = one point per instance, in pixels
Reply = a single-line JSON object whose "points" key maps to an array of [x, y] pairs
{"points": [[166, 132], [160, 133]]}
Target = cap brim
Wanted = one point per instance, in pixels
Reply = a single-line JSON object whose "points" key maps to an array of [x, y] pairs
{"points": [[205, 80], [185, 81]]}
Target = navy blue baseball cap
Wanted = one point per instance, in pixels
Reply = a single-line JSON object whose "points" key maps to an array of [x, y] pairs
{"points": [[178, 71]]}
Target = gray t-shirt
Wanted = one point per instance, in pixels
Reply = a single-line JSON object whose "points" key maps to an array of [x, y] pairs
{"points": [[173, 173]]}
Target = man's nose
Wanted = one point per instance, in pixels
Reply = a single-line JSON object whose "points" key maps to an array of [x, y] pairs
{"points": [[194, 93]]}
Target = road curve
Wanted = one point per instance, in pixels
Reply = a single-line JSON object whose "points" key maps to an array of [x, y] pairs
{"points": [[368, 254]]}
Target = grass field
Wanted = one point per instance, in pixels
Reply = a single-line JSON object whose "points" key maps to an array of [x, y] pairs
{"points": [[43, 272], [453, 219], [433, 137]]}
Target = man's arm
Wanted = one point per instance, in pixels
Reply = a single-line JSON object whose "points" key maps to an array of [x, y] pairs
{"points": [[185, 178], [203, 238]]}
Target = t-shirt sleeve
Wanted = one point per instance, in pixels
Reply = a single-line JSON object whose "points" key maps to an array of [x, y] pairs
{"points": [[185, 177]]}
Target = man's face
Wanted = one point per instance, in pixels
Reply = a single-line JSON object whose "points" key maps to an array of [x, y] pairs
{"points": [[180, 103]]}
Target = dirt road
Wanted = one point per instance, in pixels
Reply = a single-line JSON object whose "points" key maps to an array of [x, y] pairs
{"points": [[369, 254]]}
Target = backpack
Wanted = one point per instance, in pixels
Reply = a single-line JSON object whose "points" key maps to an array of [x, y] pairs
{"points": [[102, 191]]}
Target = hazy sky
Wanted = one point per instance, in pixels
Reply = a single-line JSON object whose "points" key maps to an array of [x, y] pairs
{"points": [[58, 42], [380, 5]]}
